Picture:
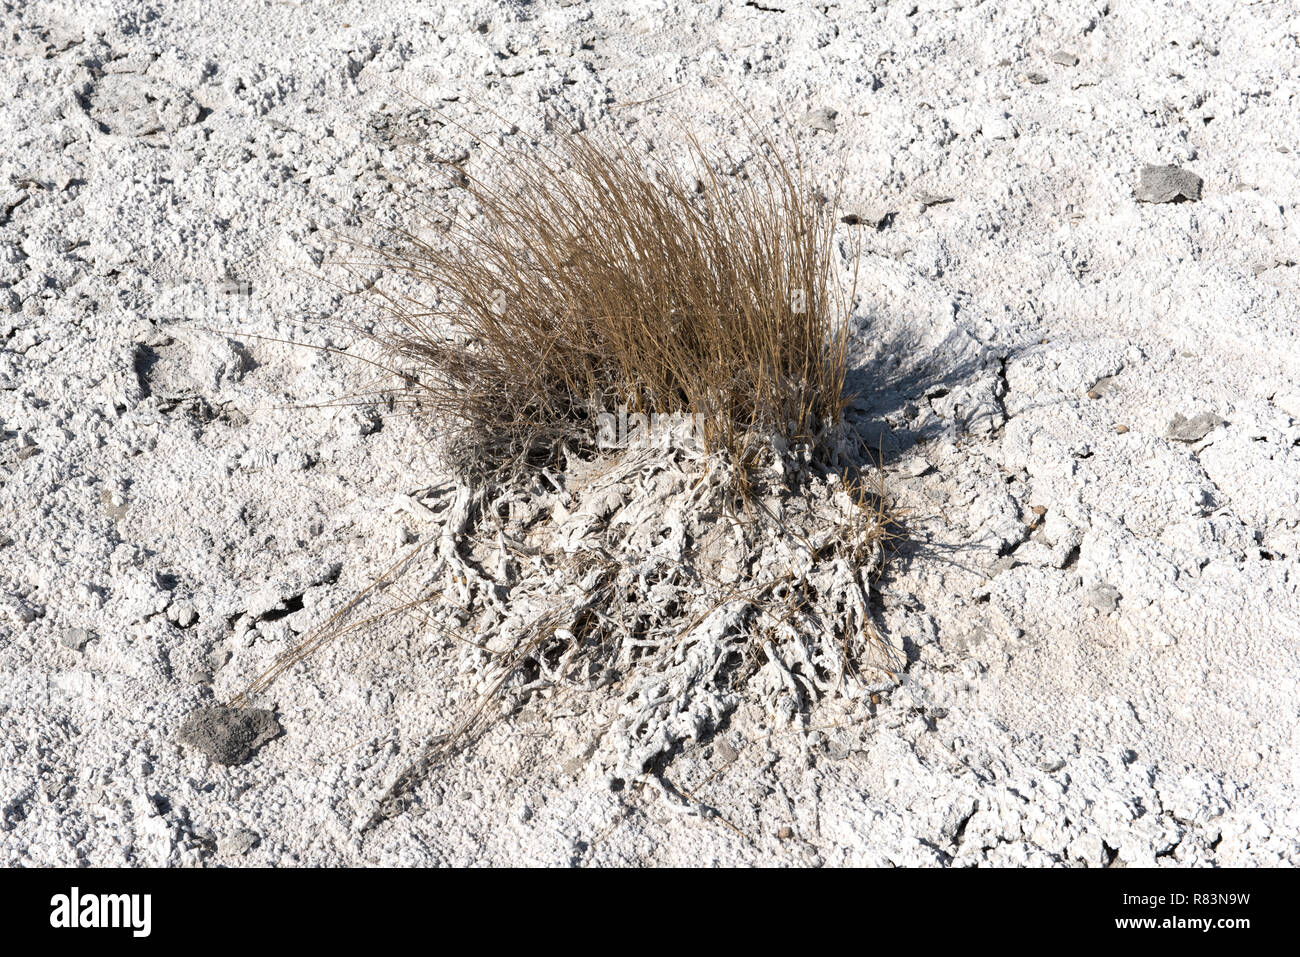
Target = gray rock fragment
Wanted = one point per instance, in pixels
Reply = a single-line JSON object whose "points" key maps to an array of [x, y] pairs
{"points": [[228, 735], [1167, 184], [1036, 78], [75, 638], [1104, 598], [1104, 386], [241, 842], [1064, 58], [822, 119], [1183, 429]]}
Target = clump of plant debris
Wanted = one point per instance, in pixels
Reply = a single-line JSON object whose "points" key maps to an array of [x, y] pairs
{"points": [[637, 373]]}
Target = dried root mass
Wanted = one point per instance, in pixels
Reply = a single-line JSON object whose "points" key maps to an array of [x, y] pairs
{"points": [[649, 586]]}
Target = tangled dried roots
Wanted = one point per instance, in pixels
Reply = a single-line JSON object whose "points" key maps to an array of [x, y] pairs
{"points": [[648, 577]]}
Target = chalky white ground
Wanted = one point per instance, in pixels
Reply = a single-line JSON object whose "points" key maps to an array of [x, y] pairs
{"points": [[1112, 681]]}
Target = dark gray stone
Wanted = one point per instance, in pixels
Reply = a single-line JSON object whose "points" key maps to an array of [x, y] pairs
{"points": [[1167, 184], [228, 735], [1064, 58]]}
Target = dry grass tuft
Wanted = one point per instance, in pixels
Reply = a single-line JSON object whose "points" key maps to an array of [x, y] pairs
{"points": [[595, 278]]}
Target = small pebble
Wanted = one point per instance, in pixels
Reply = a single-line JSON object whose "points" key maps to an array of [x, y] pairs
{"points": [[785, 834], [1121, 429], [1036, 78], [1064, 58], [1094, 394]]}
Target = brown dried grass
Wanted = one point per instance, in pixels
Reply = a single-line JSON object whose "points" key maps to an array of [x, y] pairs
{"points": [[594, 278]]}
